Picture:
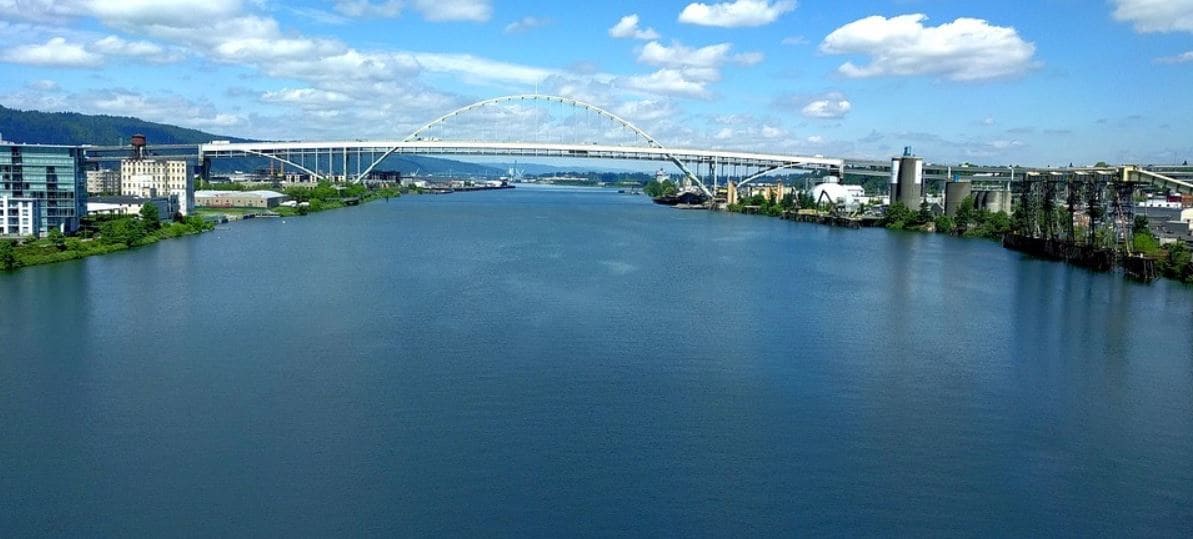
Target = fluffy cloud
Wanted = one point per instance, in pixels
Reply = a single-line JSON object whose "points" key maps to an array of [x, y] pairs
{"points": [[628, 27], [454, 10], [431, 10], [963, 50], [478, 69], [677, 55], [830, 106], [152, 52], [1178, 59], [1156, 15], [57, 52], [526, 23], [672, 82], [736, 14], [686, 71], [365, 8]]}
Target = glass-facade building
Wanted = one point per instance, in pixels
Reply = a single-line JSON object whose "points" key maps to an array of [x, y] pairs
{"points": [[50, 176]]}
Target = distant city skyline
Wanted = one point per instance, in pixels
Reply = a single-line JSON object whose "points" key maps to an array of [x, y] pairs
{"points": [[986, 82]]}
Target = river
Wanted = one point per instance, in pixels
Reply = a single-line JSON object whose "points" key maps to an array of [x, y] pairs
{"points": [[562, 362]]}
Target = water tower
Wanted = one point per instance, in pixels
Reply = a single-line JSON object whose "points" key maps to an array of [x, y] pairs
{"points": [[138, 144]]}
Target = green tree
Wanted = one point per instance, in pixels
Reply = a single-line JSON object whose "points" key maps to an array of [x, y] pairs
{"points": [[945, 224], [8, 256], [999, 224], [898, 216], [1143, 242], [1178, 262], [150, 216], [57, 239], [965, 213], [125, 230], [664, 188], [924, 216]]}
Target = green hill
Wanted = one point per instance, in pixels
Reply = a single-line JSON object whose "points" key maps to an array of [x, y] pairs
{"points": [[36, 127]]}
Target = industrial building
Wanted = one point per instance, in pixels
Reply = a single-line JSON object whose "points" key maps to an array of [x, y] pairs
{"points": [[145, 177], [833, 192], [44, 184], [122, 205], [239, 199], [907, 180], [103, 182]]}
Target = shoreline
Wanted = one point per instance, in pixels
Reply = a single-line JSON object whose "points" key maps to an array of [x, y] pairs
{"points": [[47, 250]]}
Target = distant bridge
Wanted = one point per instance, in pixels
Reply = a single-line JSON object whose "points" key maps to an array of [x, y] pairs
{"points": [[356, 160]]}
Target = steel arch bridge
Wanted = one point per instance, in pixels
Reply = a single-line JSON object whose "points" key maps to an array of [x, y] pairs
{"points": [[339, 158]]}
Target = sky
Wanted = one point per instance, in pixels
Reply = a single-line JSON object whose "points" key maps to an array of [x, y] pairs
{"points": [[1011, 82]]}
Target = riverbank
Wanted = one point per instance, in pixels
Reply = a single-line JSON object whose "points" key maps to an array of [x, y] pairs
{"points": [[111, 235], [114, 234], [1146, 261]]}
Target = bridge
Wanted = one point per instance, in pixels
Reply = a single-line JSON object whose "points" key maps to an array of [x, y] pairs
{"points": [[482, 123], [355, 160]]}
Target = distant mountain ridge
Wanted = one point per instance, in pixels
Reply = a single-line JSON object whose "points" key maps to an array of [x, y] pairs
{"points": [[36, 127], [73, 128]]}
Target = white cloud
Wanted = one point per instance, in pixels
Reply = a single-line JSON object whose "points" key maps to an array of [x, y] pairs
{"points": [[738, 13], [677, 55], [431, 10], [1178, 59], [963, 50], [1156, 15], [478, 69], [44, 85], [171, 109], [304, 96], [628, 27], [794, 40], [526, 23], [671, 82], [831, 106], [365, 8], [57, 52], [116, 46], [686, 71], [155, 12], [454, 10]]}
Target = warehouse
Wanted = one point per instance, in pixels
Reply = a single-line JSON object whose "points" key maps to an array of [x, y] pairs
{"points": [[239, 199]]}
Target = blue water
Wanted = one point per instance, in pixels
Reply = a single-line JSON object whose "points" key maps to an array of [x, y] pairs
{"points": [[560, 362]]}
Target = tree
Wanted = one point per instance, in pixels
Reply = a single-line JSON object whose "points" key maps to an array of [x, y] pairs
{"points": [[897, 216], [664, 188], [150, 216], [999, 224], [925, 214], [1141, 225], [1101, 164], [8, 256], [126, 230], [965, 213], [945, 224], [57, 239]]}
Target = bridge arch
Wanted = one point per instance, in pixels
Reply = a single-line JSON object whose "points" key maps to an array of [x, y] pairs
{"points": [[546, 98]]}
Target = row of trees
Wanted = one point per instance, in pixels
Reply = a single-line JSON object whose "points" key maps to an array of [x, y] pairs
{"points": [[109, 233], [664, 188], [771, 206], [970, 221]]}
